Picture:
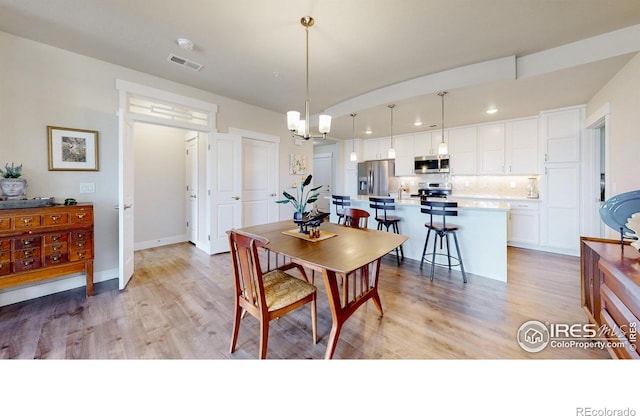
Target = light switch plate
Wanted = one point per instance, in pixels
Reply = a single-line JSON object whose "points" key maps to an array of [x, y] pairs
{"points": [[87, 188]]}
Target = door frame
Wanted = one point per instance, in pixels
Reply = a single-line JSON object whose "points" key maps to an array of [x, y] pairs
{"points": [[128, 90], [592, 224]]}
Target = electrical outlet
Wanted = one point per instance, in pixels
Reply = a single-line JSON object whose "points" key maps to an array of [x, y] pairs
{"points": [[87, 188], [513, 184]]}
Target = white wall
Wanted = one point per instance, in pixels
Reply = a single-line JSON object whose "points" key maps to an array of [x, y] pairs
{"points": [[622, 92], [159, 186], [41, 85]]}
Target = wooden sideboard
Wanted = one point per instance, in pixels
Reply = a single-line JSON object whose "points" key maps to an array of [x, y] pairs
{"points": [[43, 243], [610, 287]]}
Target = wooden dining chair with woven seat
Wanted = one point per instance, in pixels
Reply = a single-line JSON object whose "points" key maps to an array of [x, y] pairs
{"points": [[355, 218], [265, 295]]}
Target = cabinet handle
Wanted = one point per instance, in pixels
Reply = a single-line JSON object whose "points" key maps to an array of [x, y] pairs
{"points": [[27, 221], [81, 216], [81, 254], [27, 262], [55, 218], [26, 242]]}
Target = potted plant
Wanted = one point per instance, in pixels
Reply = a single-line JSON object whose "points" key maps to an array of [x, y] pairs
{"points": [[301, 199], [13, 185]]}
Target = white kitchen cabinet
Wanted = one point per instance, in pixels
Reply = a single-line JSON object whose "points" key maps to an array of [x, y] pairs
{"points": [[524, 224], [521, 147], [491, 149], [463, 150], [376, 149], [560, 211], [404, 155], [427, 143]]}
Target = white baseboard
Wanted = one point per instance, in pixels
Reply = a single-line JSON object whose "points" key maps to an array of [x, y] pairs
{"points": [[61, 284], [143, 245]]}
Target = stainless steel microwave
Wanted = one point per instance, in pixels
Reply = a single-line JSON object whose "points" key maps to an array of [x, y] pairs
{"points": [[432, 164]]}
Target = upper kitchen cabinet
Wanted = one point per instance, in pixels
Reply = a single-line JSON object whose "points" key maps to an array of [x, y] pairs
{"points": [[376, 149], [463, 150], [521, 153], [508, 148], [405, 155], [562, 135], [427, 143], [491, 149]]}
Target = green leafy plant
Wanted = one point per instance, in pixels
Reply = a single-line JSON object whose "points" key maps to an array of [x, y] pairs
{"points": [[301, 199], [11, 172]]}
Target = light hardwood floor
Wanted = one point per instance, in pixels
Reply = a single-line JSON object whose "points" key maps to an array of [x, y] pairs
{"points": [[179, 305]]}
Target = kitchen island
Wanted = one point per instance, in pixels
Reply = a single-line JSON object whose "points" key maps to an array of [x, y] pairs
{"points": [[482, 232]]}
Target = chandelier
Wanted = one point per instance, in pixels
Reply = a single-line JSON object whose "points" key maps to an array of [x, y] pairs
{"points": [[300, 128]]}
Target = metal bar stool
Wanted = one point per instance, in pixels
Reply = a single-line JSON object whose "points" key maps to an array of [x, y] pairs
{"points": [[387, 204], [442, 230], [341, 201]]}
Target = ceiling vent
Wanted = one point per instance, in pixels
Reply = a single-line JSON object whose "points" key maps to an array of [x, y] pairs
{"points": [[185, 62]]}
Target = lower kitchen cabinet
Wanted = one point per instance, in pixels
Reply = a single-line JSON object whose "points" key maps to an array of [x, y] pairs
{"points": [[524, 224]]}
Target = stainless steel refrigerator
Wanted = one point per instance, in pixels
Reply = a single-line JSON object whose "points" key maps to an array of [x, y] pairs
{"points": [[373, 177]]}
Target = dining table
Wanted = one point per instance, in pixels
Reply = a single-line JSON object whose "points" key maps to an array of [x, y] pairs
{"points": [[348, 259]]}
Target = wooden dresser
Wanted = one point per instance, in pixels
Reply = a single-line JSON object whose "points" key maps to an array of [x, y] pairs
{"points": [[43, 243], [610, 288]]}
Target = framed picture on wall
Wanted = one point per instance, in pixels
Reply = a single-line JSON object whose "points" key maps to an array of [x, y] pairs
{"points": [[297, 164], [72, 149]]}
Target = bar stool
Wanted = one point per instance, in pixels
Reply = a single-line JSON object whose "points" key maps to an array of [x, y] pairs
{"points": [[387, 204], [442, 230], [341, 201]]}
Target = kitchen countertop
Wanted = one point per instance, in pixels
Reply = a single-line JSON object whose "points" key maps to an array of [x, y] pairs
{"points": [[476, 204]]}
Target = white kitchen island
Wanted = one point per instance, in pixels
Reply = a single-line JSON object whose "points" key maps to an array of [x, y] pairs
{"points": [[482, 233]]}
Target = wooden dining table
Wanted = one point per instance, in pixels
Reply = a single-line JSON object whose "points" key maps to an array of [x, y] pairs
{"points": [[340, 252]]}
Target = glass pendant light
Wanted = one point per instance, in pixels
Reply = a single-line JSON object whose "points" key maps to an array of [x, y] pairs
{"points": [[442, 147], [392, 150], [354, 156]]}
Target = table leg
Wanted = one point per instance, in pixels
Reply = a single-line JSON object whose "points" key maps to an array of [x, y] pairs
{"points": [[88, 271], [333, 295]]}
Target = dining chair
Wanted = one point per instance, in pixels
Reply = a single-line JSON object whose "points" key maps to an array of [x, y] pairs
{"points": [[356, 218], [340, 201], [265, 295], [384, 219], [441, 210]]}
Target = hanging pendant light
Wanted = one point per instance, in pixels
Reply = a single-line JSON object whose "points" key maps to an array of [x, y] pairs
{"points": [[354, 156], [442, 147], [300, 128], [392, 150]]}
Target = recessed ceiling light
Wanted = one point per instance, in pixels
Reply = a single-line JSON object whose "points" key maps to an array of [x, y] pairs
{"points": [[417, 123], [492, 111], [368, 131], [185, 43]]}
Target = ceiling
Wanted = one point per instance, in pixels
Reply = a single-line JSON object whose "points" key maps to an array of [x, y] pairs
{"points": [[364, 54]]}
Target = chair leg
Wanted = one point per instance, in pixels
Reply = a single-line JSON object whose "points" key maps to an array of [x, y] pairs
{"points": [[446, 236], [236, 327], [433, 257], [397, 231], [314, 320], [264, 337], [455, 240], [424, 250]]}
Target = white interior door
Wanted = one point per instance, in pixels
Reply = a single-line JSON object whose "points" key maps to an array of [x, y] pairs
{"points": [[225, 174], [323, 175], [259, 183], [192, 189], [125, 205]]}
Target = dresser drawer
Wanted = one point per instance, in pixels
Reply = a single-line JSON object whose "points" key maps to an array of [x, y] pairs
{"points": [[27, 221], [26, 264], [5, 268], [55, 218], [25, 253], [81, 236], [5, 244], [56, 238], [78, 255], [26, 242], [5, 223], [50, 249], [81, 216], [5, 256], [55, 259]]}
